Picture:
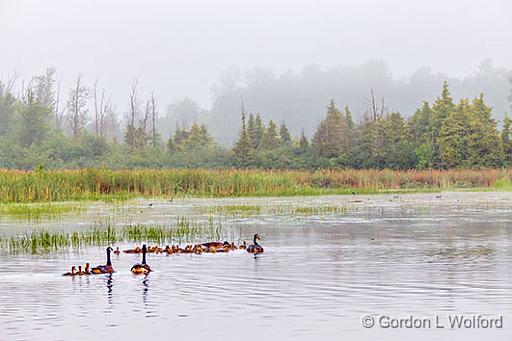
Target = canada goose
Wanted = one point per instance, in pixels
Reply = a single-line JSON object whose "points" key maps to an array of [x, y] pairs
{"points": [[117, 252], [72, 273], [255, 248], [243, 246], [80, 272], [141, 268], [87, 270], [104, 269], [214, 244], [136, 250]]}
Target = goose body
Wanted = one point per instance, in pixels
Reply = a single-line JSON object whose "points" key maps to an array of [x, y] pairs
{"points": [[136, 250], [141, 268], [255, 248], [243, 246], [104, 269]]}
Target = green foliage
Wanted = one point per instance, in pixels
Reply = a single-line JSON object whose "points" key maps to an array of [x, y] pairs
{"points": [[331, 138]]}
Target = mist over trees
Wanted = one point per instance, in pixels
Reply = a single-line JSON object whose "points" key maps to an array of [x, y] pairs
{"points": [[44, 125], [299, 98]]}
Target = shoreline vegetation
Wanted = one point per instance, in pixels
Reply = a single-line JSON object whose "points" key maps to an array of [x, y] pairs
{"points": [[18, 186]]}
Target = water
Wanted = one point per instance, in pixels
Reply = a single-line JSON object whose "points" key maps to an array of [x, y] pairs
{"points": [[407, 255]]}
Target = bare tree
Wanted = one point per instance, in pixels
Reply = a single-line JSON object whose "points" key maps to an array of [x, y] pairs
{"points": [[133, 114], [100, 107], [59, 114], [153, 119], [77, 108]]}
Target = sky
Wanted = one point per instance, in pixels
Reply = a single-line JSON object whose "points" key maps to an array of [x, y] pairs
{"points": [[177, 48]]}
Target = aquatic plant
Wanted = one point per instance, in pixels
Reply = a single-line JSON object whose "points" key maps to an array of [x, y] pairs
{"points": [[109, 233], [105, 184], [38, 211]]}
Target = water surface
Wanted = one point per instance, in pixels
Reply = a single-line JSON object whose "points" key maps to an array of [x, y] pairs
{"points": [[419, 255]]}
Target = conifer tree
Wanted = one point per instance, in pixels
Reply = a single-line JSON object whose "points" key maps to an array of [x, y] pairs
{"points": [[284, 133], [484, 145], [331, 138], [441, 109], [505, 140], [453, 137], [242, 150], [270, 139]]}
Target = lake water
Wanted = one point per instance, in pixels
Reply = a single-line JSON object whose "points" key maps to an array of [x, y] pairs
{"points": [[416, 255]]}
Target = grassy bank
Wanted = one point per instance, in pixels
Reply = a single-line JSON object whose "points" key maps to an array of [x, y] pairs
{"points": [[104, 184]]}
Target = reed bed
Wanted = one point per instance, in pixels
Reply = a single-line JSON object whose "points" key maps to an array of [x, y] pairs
{"points": [[105, 184], [41, 241]]}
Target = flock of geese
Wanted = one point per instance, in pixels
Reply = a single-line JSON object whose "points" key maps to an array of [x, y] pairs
{"points": [[144, 268]]}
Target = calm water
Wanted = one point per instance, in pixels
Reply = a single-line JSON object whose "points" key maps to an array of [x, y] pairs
{"points": [[320, 274]]}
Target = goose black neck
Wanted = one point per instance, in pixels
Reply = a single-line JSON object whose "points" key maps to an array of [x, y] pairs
{"points": [[143, 256], [255, 241], [108, 257]]}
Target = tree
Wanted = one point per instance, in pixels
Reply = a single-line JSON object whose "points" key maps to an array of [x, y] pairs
{"points": [[242, 150], [131, 131], [441, 109], [34, 119], [270, 139], [484, 145], [77, 108], [505, 140], [284, 133], [453, 137], [419, 124], [8, 108], [331, 138], [45, 89], [255, 130]]}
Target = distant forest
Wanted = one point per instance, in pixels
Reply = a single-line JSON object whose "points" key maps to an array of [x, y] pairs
{"points": [[40, 126]]}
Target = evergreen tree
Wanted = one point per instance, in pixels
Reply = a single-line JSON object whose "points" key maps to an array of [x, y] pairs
{"points": [[350, 126], [441, 109], [303, 142], [419, 124], [331, 138], [242, 150], [270, 139], [284, 134], [484, 145], [506, 141], [453, 137]]}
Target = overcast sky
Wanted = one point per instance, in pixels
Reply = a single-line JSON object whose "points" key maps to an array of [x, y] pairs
{"points": [[178, 47]]}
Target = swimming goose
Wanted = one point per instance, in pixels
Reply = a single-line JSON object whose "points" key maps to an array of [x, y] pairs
{"points": [[72, 273], [141, 268], [255, 248], [104, 269]]}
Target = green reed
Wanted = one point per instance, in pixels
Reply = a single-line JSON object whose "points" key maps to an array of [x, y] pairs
{"points": [[106, 184], [108, 233]]}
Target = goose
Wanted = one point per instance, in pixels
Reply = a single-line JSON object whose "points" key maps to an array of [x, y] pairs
{"points": [[87, 270], [136, 250], [141, 268], [117, 252], [255, 248], [104, 269], [72, 273], [243, 246]]}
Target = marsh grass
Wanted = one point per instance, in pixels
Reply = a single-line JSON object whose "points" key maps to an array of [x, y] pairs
{"points": [[115, 185], [38, 211], [41, 241]]}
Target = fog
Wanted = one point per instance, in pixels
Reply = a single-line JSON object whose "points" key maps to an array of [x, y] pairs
{"points": [[182, 48]]}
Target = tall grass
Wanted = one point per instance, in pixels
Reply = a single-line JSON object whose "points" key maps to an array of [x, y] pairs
{"points": [[184, 230], [91, 184]]}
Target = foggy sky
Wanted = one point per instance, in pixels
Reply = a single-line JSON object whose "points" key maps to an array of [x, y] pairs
{"points": [[178, 48]]}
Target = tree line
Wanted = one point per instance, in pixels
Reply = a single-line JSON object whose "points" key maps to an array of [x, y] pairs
{"points": [[38, 128]]}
